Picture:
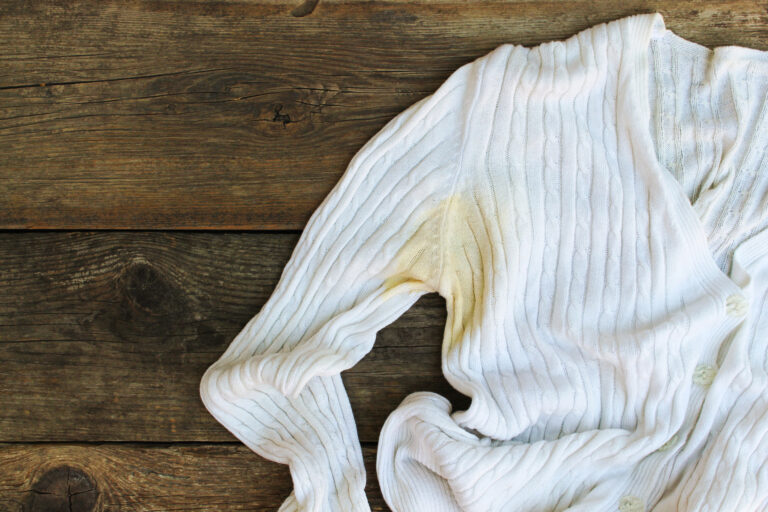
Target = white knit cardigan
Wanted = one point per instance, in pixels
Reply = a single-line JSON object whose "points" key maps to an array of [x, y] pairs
{"points": [[595, 213]]}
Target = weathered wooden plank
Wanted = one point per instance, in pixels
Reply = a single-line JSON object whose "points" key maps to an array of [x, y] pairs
{"points": [[142, 478], [181, 114], [104, 336]]}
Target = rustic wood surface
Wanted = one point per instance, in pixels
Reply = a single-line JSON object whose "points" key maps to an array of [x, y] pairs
{"points": [[207, 115], [140, 478], [201, 114], [105, 335]]}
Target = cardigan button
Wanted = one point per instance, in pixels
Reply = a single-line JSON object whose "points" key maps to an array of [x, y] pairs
{"points": [[631, 504], [736, 305], [703, 375]]}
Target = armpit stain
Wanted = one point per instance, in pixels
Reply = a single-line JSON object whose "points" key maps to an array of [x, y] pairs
{"points": [[461, 249]]}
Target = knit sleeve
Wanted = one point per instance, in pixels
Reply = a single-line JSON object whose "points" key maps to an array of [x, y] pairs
{"points": [[367, 253]]}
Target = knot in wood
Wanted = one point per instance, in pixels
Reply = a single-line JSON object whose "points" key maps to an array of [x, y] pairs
{"points": [[64, 489]]}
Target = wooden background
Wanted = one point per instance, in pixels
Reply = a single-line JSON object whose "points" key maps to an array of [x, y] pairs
{"points": [[158, 160]]}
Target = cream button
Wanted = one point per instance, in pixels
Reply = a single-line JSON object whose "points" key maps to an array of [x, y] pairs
{"points": [[631, 504], [704, 374], [736, 305]]}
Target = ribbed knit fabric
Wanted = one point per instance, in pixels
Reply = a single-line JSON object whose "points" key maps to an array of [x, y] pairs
{"points": [[595, 213]]}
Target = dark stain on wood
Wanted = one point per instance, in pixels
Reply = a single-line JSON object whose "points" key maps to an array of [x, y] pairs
{"points": [[279, 116], [151, 303], [149, 290], [61, 489]]}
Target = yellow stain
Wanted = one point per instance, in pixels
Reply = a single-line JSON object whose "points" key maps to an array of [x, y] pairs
{"points": [[464, 241]]}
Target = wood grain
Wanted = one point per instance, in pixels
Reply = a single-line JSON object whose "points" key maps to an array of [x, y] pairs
{"points": [[104, 335], [207, 115], [243, 114], [142, 478]]}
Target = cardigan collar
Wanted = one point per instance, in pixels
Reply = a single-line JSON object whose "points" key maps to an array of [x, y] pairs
{"points": [[753, 250]]}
